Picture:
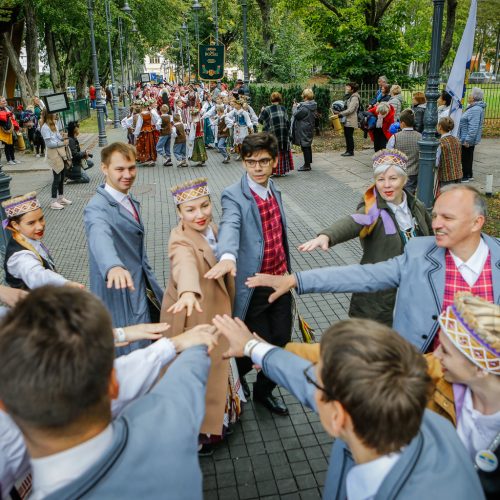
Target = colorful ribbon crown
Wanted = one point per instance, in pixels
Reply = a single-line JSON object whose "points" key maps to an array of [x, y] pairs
{"points": [[392, 157], [190, 190], [19, 205], [473, 326]]}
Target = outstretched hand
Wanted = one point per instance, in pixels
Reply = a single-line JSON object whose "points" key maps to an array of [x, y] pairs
{"points": [[145, 331], [236, 333], [321, 241], [199, 335], [118, 277], [220, 269], [282, 284], [186, 301]]}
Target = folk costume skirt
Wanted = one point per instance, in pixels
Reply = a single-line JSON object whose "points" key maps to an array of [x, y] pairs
{"points": [[199, 151], [146, 146], [285, 163]]}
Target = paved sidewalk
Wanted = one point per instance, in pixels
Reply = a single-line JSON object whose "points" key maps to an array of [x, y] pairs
{"points": [[267, 456]]}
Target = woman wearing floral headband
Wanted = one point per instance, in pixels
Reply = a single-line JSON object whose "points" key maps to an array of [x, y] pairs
{"points": [[146, 133], [191, 299], [28, 263], [387, 217]]}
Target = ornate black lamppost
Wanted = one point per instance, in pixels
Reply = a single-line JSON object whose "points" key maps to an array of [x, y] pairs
{"points": [[246, 77]]}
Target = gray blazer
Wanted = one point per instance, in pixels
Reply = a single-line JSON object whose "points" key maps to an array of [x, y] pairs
{"points": [[155, 444], [115, 238], [240, 234], [433, 465], [419, 275]]}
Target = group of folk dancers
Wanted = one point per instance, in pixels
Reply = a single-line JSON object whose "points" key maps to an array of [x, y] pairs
{"points": [[370, 385], [188, 121]]}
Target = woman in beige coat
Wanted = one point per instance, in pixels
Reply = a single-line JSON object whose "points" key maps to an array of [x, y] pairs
{"points": [[351, 117], [190, 300]]}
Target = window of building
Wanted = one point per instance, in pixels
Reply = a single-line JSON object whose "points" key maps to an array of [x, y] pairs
{"points": [[154, 59]]}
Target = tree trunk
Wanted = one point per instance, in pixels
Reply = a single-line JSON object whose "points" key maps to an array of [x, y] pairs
{"points": [[22, 80], [451, 13], [497, 53], [265, 12], [50, 47], [31, 41]]}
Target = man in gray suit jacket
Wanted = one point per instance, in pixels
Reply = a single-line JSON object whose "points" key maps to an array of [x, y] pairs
{"points": [[120, 274], [58, 381], [429, 272], [370, 389]]}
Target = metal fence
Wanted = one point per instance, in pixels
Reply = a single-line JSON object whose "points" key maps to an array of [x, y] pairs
{"points": [[491, 97]]}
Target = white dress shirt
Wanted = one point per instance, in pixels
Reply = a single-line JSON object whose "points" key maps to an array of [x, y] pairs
{"points": [[476, 431], [26, 266], [122, 198], [58, 470], [364, 480], [473, 267], [136, 373], [402, 214]]}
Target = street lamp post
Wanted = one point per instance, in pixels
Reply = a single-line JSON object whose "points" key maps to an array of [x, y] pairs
{"points": [[186, 29], [116, 117], [428, 144], [196, 8], [216, 21], [179, 39], [122, 69], [103, 140], [246, 77]]}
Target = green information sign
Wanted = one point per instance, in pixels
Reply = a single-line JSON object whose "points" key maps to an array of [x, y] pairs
{"points": [[211, 62]]}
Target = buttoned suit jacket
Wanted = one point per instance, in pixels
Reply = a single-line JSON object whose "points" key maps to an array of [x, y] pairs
{"points": [[419, 274], [434, 464], [114, 239], [241, 234]]}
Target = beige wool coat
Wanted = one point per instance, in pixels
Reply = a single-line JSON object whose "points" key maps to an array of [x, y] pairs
{"points": [[190, 258]]}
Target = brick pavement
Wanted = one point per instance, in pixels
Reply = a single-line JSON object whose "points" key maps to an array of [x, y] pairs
{"points": [[266, 456]]}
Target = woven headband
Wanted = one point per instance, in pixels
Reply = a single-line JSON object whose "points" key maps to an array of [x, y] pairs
{"points": [[190, 190], [19, 205]]}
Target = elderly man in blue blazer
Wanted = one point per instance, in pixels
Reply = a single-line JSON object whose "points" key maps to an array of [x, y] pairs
{"points": [[252, 239], [428, 274], [370, 389], [120, 274]]}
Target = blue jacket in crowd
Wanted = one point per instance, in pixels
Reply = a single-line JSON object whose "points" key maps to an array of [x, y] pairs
{"points": [[471, 124]]}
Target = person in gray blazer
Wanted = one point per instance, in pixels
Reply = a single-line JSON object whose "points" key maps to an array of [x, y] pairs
{"points": [[428, 273], [58, 384], [120, 274], [252, 239], [370, 389]]}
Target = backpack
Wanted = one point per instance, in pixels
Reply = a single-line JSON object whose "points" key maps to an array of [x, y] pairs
{"points": [[361, 116]]}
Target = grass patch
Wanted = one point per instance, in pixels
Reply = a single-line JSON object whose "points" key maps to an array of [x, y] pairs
{"points": [[492, 226]]}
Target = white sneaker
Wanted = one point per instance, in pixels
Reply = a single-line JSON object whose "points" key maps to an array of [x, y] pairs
{"points": [[64, 201], [56, 206], [11, 162], [17, 161], [38, 156]]}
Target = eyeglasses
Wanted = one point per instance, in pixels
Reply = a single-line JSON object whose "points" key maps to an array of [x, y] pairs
{"points": [[311, 380], [263, 162]]}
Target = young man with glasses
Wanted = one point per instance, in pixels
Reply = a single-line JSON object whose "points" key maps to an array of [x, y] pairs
{"points": [[370, 389], [252, 239]]}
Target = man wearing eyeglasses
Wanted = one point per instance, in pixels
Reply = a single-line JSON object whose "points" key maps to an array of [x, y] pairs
{"points": [[252, 239], [370, 390]]}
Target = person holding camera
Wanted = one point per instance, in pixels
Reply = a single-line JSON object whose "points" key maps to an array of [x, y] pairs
{"points": [[77, 172]]}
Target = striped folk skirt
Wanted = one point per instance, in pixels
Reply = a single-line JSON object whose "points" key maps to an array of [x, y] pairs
{"points": [[285, 163]]}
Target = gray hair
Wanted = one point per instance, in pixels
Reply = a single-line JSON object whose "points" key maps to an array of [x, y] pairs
{"points": [[383, 108], [477, 94], [480, 206], [383, 77], [382, 169]]}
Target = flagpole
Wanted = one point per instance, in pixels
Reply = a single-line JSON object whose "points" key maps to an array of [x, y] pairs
{"points": [[428, 144]]}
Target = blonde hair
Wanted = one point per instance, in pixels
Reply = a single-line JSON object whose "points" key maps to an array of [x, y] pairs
{"points": [[308, 94], [395, 90]]}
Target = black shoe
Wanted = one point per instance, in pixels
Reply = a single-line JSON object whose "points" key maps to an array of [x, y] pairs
{"points": [[272, 403], [244, 386], [206, 450], [347, 153], [304, 168]]}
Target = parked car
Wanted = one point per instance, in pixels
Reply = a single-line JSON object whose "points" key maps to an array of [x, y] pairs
{"points": [[478, 77], [490, 77]]}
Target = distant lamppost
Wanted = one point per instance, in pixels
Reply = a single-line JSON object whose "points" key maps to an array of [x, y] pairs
{"points": [[429, 143], [133, 69], [178, 38], [125, 82], [246, 77], [216, 21], [116, 117], [196, 8], [122, 70], [186, 29], [103, 140]]}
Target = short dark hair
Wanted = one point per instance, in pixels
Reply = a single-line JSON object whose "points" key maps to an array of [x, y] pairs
{"points": [[56, 358], [446, 97], [354, 86], [258, 142], [71, 128], [408, 117], [127, 150], [379, 378], [386, 88]]}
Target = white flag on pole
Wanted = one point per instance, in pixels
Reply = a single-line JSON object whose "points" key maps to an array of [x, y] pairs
{"points": [[459, 75]]}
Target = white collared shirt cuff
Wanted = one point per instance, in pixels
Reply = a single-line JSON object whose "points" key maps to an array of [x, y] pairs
{"points": [[163, 350], [228, 256], [260, 351]]}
